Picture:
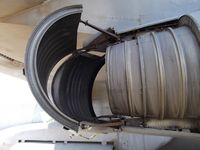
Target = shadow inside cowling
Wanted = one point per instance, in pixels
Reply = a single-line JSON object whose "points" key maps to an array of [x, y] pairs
{"points": [[72, 86]]}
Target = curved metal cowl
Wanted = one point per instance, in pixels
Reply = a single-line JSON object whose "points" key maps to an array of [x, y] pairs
{"points": [[53, 39]]}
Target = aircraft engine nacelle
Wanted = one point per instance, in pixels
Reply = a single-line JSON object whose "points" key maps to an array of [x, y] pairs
{"points": [[152, 73]]}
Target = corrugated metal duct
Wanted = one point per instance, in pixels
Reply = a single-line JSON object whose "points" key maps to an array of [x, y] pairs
{"points": [[155, 75]]}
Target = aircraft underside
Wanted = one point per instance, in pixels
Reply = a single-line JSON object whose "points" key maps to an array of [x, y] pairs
{"points": [[148, 76]]}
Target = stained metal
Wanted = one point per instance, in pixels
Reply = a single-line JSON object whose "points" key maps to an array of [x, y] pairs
{"points": [[161, 71], [155, 75]]}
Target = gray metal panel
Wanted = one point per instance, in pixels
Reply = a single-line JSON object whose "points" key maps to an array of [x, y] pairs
{"points": [[122, 15]]}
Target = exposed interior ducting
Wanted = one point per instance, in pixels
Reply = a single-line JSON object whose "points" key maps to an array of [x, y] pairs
{"points": [[152, 73], [155, 75]]}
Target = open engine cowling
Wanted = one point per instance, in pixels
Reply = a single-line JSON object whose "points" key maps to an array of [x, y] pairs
{"points": [[152, 74]]}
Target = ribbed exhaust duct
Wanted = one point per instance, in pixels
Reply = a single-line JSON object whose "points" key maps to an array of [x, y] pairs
{"points": [[156, 75]]}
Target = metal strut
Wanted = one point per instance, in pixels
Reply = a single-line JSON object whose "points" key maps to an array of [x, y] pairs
{"points": [[101, 30]]}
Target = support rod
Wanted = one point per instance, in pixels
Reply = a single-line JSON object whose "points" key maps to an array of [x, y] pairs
{"points": [[101, 30]]}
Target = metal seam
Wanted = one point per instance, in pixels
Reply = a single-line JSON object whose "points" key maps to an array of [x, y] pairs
{"points": [[183, 69], [143, 76], [127, 83], [108, 73], [161, 73]]}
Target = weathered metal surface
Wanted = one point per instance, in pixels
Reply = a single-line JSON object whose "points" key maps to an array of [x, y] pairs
{"points": [[155, 75], [192, 20], [122, 15]]}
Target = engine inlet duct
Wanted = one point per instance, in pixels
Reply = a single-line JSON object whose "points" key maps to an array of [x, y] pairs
{"points": [[152, 73]]}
